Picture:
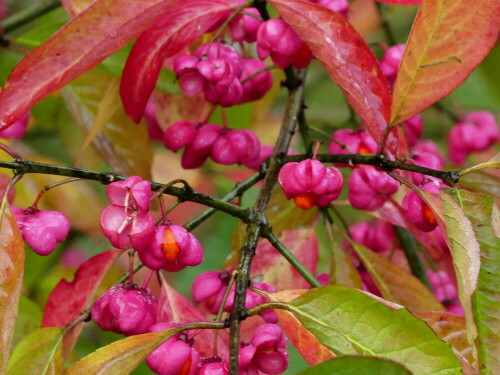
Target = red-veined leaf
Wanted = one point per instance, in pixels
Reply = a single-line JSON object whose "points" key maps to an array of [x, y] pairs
{"points": [[447, 41], [11, 280], [168, 36], [347, 59], [68, 299], [304, 341], [174, 308], [85, 41]]}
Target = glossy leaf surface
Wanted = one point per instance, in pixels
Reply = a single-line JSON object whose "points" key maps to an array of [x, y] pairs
{"points": [[447, 41], [346, 57], [306, 344], [11, 279], [350, 322], [357, 365], [39, 353], [73, 50], [122, 356], [168, 36], [122, 144], [396, 284], [485, 219]]}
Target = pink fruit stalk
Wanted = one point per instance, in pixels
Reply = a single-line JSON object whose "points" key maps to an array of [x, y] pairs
{"points": [[172, 248], [276, 39], [18, 129], [126, 309], [42, 230], [417, 211], [310, 183], [176, 356], [370, 187]]}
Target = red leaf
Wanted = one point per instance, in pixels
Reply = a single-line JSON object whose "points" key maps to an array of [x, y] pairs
{"points": [[11, 281], [168, 36], [276, 270], [103, 28], [68, 299], [346, 57], [174, 308], [447, 41]]}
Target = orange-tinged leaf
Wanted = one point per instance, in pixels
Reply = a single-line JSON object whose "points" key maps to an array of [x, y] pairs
{"points": [[74, 7], [395, 284], [447, 41], [343, 271], [174, 308], [346, 57], [450, 328], [121, 357], [11, 279], [122, 144], [304, 341], [85, 41]]}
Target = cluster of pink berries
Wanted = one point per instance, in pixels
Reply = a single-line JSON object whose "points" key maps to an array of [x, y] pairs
{"points": [[128, 224], [225, 146]]}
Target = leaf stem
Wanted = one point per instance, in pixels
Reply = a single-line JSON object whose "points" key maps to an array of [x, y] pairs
{"points": [[25, 16]]}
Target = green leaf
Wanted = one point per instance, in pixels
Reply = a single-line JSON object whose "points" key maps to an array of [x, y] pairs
{"points": [[356, 365], [343, 271], [494, 162], [39, 353], [395, 284], [482, 182], [11, 279], [28, 319], [466, 254], [122, 356], [122, 144], [484, 216], [350, 322]]}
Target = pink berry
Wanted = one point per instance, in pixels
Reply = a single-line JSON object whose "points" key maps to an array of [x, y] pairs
{"points": [[214, 368], [352, 142], [126, 309], [18, 129], [134, 193], [391, 60], [369, 188], [42, 230], [413, 127], [310, 183], [244, 27], [172, 248], [270, 356], [258, 86], [428, 147], [378, 236], [126, 229], [208, 285], [178, 135], [444, 290], [210, 51], [417, 211], [427, 160], [176, 356], [323, 278], [236, 146], [339, 6]]}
